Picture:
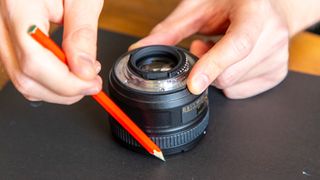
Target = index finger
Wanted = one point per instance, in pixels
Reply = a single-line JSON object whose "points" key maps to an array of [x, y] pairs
{"points": [[235, 45]]}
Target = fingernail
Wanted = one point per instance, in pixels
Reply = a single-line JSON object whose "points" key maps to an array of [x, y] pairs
{"points": [[95, 89], [91, 91], [99, 79], [199, 83], [134, 46], [97, 66]]}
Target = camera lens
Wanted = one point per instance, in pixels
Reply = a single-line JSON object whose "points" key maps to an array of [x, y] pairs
{"points": [[149, 84]]}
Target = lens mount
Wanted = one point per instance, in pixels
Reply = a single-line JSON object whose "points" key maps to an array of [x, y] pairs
{"points": [[157, 62], [154, 69]]}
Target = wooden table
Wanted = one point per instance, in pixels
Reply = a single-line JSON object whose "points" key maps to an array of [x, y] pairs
{"points": [[138, 17]]}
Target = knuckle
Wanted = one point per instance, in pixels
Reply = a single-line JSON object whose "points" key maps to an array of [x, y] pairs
{"points": [[283, 38], [239, 93], [30, 98], [71, 101], [234, 94], [28, 66], [159, 27], [68, 93], [266, 82], [85, 32], [242, 45], [282, 46], [283, 73], [70, 87], [226, 80], [24, 85], [229, 94], [282, 34], [70, 90], [278, 76], [84, 38], [216, 66]]}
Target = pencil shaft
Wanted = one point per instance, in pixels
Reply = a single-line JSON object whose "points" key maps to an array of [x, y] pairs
{"points": [[125, 121], [102, 98]]}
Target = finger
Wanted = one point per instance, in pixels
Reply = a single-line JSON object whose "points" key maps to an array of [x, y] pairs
{"points": [[257, 85], [268, 66], [238, 42], [34, 91], [13, 27], [184, 21], [37, 62], [80, 36], [97, 66], [28, 87], [253, 66], [199, 47]]}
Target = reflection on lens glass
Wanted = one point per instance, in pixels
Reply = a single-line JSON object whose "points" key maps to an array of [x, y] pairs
{"points": [[156, 64]]}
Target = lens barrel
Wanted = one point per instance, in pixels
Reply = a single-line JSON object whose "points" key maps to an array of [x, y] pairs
{"points": [[149, 84]]}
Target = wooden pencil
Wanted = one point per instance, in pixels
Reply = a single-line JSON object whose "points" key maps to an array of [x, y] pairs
{"points": [[102, 98]]}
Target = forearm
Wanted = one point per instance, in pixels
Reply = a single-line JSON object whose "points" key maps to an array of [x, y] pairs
{"points": [[300, 14]]}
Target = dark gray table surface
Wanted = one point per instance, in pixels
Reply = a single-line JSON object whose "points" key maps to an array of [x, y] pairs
{"points": [[275, 135]]}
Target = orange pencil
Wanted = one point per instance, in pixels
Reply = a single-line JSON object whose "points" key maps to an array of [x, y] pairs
{"points": [[102, 98]]}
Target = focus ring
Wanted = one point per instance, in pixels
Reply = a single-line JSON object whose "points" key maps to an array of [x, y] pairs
{"points": [[164, 142]]}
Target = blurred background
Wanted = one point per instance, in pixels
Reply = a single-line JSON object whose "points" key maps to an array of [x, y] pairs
{"points": [[138, 17]]}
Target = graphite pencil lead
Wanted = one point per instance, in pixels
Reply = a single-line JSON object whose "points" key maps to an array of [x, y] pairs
{"points": [[32, 29]]}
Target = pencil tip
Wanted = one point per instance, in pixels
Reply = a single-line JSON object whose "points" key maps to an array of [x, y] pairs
{"points": [[159, 155], [32, 29]]}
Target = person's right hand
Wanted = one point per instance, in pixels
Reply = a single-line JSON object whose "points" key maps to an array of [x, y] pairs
{"points": [[252, 55], [34, 70]]}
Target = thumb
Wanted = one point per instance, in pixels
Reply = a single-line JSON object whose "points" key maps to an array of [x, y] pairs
{"points": [[80, 36], [184, 21]]}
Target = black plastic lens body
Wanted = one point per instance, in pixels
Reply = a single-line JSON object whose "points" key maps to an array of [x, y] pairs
{"points": [[149, 84]]}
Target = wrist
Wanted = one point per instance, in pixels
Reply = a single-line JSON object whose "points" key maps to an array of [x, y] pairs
{"points": [[298, 14]]}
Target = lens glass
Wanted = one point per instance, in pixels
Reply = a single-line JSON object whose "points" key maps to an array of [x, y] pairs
{"points": [[157, 63], [154, 69]]}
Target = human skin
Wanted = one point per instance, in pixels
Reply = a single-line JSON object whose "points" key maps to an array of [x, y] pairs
{"points": [[250, 58], [252, 55], [35, 71]]}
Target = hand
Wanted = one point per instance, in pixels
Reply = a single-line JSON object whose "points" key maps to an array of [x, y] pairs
{"points": [[252, 55], [34, 70]]}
